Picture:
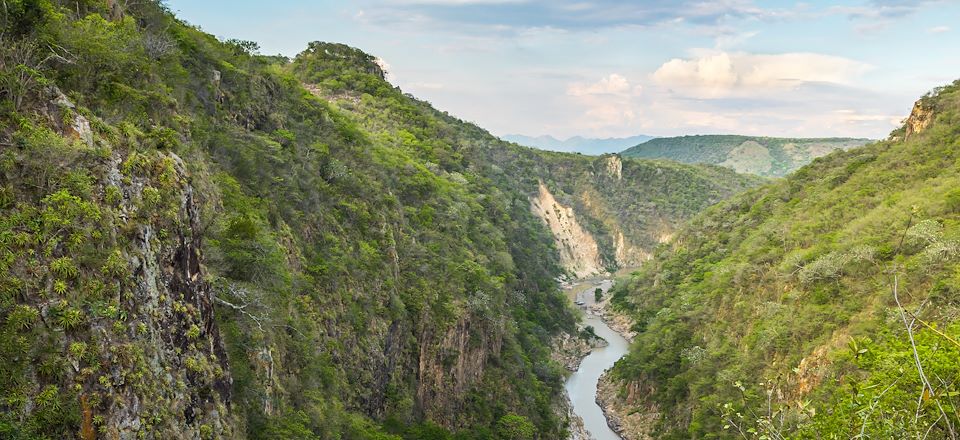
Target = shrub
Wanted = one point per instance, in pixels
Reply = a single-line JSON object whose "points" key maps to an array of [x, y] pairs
{"points": [[64, 267], [49, 397], [115, 265], [952, 200], [70, 319], [515, 427], [22, 317], [193, 333]]}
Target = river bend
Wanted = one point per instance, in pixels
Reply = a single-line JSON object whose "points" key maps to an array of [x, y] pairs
{"points": [[581, 386]]}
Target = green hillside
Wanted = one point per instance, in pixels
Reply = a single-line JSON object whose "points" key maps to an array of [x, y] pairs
{"points": [[198, 241], [640, 201], [806, 308], [764, 156]]}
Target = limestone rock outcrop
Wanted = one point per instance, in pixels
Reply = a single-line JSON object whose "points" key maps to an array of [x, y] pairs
{"points": [[920, 118], [579, 252]]}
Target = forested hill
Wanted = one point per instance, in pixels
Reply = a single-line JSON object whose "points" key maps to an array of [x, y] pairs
{"points": [[200, 242], [764, 156], [622, 208], [825, 305]]}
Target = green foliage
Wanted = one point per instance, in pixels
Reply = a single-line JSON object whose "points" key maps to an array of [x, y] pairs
{"points": [[23, 17], [334, 254], [78, 350], [765, 156], [343, 233], [193, 333], [874, 399], [114, 266], [64, 267], [48, 398], [515, 427], [773, 315], [953, 200], [22, 317], [339, 67], [70, 318]]}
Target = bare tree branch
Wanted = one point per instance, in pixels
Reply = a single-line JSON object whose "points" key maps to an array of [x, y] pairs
{"points": [[927, 387], [242, 294]]}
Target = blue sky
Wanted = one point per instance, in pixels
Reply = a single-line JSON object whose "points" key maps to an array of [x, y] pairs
{"points": [[606, 68]]}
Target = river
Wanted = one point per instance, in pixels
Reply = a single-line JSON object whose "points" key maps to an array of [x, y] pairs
{"points": [[581, 386]]}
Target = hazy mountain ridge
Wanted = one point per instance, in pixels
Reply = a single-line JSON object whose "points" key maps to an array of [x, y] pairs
{"points": [[764, 156], [578, 144]]}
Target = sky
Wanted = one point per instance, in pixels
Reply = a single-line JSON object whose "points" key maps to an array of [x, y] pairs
{"points": [[616, 68]]}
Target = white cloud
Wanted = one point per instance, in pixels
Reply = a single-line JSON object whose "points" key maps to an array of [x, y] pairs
{"points": [[670, 116], [609, 102], [733, 38], [613, 84], [713, 74], [718, 74], [885, 9], [939, 29], [878, 15], [789, 94], [608, 115]]}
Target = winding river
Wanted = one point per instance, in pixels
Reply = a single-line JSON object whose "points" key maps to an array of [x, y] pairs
{"points": [[581, 386]]}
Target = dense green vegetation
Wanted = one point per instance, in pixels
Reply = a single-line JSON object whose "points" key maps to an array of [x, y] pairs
{"points": [[808, 307], [645, 202], [194, 242], [362, 284], [765, 156]]}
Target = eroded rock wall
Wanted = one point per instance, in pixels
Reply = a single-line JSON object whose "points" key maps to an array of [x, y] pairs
{"points": [[452, 362], [920, 118], [579, 252], [179, 382]]}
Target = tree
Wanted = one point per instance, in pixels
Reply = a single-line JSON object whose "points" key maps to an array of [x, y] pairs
{"points": [[598, 294], [515, 427]]}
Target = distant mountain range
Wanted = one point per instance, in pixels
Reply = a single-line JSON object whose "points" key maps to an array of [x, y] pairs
{"points": [[764, 156], [578, 144]]}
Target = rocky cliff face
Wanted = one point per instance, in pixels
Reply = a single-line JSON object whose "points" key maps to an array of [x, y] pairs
{"points": [[627, 254], [921, 116], [627, 411], [615, 167], [609, 212], [115, 313], [179, 384], [579, 253], [453, 364]]}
